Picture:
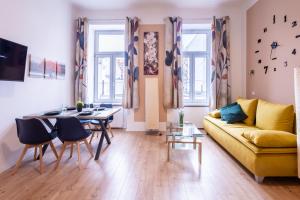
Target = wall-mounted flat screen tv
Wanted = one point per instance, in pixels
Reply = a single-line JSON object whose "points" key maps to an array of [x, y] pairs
{"points": [[12, 61]]}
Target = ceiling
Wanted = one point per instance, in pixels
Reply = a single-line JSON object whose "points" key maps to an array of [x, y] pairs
{"points": [[125, 4]]}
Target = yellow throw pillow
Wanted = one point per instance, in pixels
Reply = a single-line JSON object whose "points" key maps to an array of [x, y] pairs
{"points": [[271, 138], [249, 107], [271, 116], [215, 114]]}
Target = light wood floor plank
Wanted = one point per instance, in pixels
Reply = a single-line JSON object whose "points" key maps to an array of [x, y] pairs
{"points": [[135, 166]]}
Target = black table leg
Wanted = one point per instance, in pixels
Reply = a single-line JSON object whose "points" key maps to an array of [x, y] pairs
{"points": [[103, 135]]}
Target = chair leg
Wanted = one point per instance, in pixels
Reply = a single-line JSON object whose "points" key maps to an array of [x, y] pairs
{"points": [[41, 159], [78, 152], [71, 151], [60, 155], [88, 146], [35, 152], [20, 159], [93, 134], [53, 149]]}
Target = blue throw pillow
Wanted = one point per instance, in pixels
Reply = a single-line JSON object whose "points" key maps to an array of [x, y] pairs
{"points": [[233, 113], [226, 109]]}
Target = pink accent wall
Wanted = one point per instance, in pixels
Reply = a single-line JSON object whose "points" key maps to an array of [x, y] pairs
{"points": [[275, 86]]}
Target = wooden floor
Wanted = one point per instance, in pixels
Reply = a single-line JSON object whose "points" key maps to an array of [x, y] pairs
{"points": [[134, 166]]}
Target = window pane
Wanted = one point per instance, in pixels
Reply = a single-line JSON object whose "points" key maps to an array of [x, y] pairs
{"points": [[119, 78], [194, 42], [111, 43], [200, 78], [104, 78], [186, 62]]}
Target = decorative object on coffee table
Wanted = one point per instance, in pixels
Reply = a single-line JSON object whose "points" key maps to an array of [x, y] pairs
{"points": [[181, 117]]}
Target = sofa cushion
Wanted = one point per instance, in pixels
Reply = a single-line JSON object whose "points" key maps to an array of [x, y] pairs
{"points": [[215, 114], [232, 113], [271, 138], [236, 130], [249, 107], [271, 116]]}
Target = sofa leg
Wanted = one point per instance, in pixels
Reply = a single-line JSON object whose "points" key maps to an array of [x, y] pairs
{"points": [[259, 179]]}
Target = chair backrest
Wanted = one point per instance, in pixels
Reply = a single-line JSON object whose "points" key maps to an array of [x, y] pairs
{"points": [[70, 129], [107, 105], [32, 131]]}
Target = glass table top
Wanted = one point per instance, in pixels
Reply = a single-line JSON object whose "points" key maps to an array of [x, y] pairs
{"points": [[187, 130]]}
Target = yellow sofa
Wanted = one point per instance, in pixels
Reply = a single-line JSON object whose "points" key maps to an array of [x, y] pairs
{"points": [[261, 161]]}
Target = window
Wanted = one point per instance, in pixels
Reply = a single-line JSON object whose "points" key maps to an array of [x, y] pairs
{"points": [[109, 66], [196, 45]]}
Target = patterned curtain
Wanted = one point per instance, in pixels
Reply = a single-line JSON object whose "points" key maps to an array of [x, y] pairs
{"points": [[173, 87], [220, 80], [131, 82], [81, 62]]}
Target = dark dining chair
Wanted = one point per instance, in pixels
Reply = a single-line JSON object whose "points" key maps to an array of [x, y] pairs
{"points": [[33, 134], [71, 132]]}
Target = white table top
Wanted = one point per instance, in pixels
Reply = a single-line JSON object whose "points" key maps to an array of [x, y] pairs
{"points": [[103, 114]]}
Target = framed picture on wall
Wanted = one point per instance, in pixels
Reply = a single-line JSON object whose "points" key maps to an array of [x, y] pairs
{"points": [[60, 71], [150, 53], [36, 67], [50, 69]]}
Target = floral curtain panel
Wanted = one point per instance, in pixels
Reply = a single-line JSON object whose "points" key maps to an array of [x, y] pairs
{"points": [[173, 86], [220, 79], [81, 62], [131, 81]]}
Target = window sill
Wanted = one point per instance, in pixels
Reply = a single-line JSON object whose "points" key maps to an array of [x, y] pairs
{"points": [[195, 105], [113, 104]]}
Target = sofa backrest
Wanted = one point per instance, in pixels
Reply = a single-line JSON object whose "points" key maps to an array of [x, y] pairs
{"points": [[271, 116]]}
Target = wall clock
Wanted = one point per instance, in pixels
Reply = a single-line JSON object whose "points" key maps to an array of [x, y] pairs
{"points": [[273, 60]]}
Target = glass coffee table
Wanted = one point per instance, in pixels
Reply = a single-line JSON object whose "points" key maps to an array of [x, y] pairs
{"points": [[188, 133]]}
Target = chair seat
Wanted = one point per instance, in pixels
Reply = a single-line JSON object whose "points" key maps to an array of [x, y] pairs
{"points": [[96, 122], [85, 121]]}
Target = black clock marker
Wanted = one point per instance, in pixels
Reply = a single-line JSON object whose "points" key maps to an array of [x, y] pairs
{"points": [[285, 18], [294, 23], [274, 19], [274, 58], [265, 30], [275, 69], [259, 61], [274, 45], [285, 64], [297, 36], [294, 52], [266, 69], [259, 41], [257, 51]]}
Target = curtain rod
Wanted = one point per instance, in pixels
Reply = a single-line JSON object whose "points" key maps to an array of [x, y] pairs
{"points": [[121, 20]]}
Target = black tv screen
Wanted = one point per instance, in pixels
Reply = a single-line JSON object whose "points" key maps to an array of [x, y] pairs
{"points": [[12, 61]]}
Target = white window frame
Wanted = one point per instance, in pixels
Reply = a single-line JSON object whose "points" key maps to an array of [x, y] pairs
{"points": [[113, 55], [192, 55]]}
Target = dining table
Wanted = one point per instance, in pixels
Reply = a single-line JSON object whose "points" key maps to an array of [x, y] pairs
{"points": [[87, 114]]}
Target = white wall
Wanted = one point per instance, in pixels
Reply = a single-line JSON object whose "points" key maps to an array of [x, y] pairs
{"points": [[46, 27], [156, 14]]}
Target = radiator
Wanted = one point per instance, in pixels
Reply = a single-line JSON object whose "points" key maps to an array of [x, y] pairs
{"points": [[151, 104]]}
